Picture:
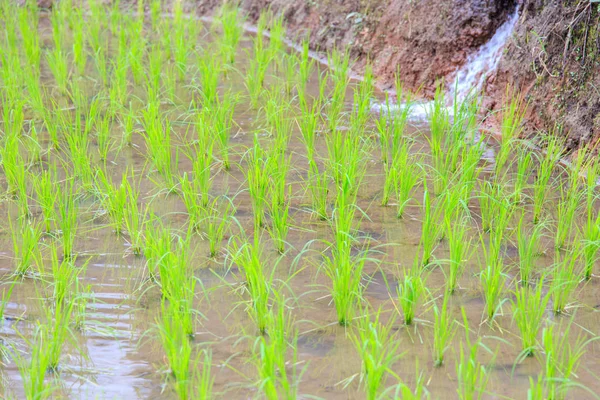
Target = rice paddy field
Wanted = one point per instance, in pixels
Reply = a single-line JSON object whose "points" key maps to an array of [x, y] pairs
{"points": [[191, 210]]}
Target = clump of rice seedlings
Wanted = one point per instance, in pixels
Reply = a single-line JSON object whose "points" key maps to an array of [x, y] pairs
{"points": [[345, 273], [178, 349], [524, 167], [127, 122], [554, 148], [28, 23], [67, 218], [528, 241], [203, 379], [177, 282], [566, 211], [340, 65], [444, 329], [78, 48], [378, 346], [562, 358], [33, 371], [490, 201], [280, 224], [134, 220], [407, 175], [565, 279], [537, 389], [47, 193], [431, 229], [157, 133], [259, 282], [529, 308], [318, 183], [460, 250], [258, 65], [277, 37], [472, 376], [493, 282], [278, 375], [305, 67], [220, 121], [231, 24], [210, 70], [512, 115], [25, 239], [65, 274], [258, 177], [112, 198], [410, 292], [309, 122], [59, 66], [217, 221]]}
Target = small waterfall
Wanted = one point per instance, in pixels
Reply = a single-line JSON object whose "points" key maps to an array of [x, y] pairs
{"points": [[471, 76]]}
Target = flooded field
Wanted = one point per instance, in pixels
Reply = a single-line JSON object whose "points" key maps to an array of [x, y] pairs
{"points": [[193, 211]]}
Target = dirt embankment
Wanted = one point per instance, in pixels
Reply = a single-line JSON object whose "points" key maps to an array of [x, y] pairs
{"points": [[425, 39], [552, 57]]}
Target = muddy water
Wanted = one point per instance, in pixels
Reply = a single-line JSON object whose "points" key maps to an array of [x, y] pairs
{"points": [[118, 355]]}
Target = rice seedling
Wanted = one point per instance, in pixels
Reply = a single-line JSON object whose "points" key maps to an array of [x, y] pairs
{"points": [[258, 177], [259, 282], [5, 299], [33, 371], [431, 229], [217, 222], [378, 347], [177, 282], [528, 247], [270, 354], [590, 233], [67, 218], [407, 174], [460, 250], [25, 239], [444, 329], [493, 282], [178, 349], [133, 220], [566, 212], [410, 292], [565, 278], [58, 64], [157, 133], [345, 272], [305, 67], [529, 309], [257, 69], [554, 148], [221, 121], [203, 378], [28, 23], [231, 23], [65, 274], [340, 64], [210, 70], [562, 358], [512, 115], [280, 223], [112, 198], [524, 167], [472, 377]]}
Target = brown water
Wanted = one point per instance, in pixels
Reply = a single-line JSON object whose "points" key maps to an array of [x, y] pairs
{"points": [[118, 354]]}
